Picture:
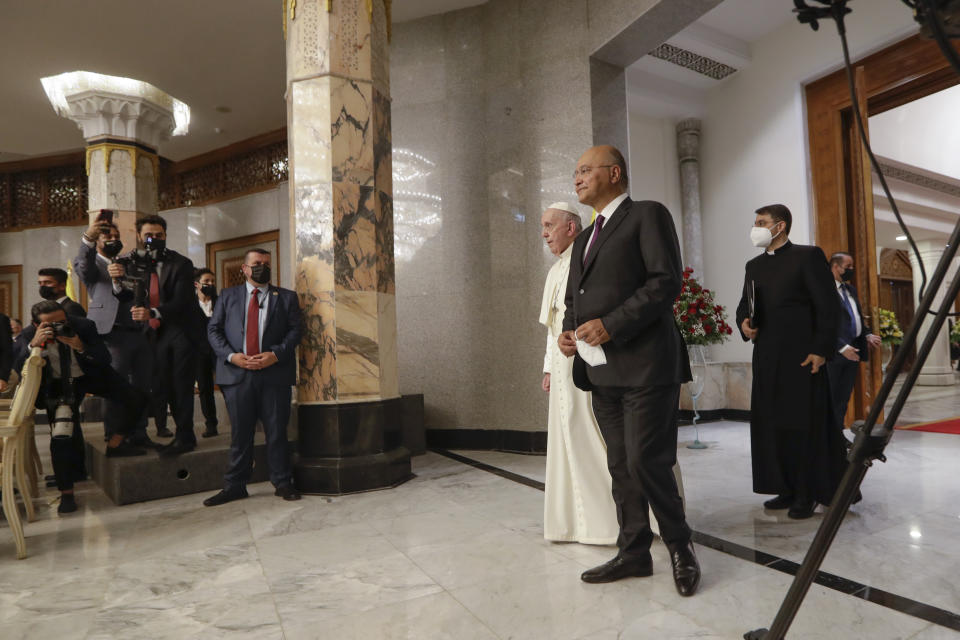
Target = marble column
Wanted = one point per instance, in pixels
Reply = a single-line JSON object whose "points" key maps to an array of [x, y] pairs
{"points": [[688, 153], [123, 122], [341, 208], [936, 370]]}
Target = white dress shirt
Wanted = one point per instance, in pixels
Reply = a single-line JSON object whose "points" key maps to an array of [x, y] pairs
{"points": [[607, 213]]}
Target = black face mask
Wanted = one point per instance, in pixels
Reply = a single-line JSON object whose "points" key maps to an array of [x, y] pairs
{"points": [[156, 246], [260, 273], [48, 293], [847, 275], [209, 290], [112, 248]]}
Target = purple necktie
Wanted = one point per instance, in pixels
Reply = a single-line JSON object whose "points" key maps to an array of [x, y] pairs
{"points": [[597, 228]]}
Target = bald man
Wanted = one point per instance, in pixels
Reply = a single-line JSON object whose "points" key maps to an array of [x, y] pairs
{"points": [[625, 273]]}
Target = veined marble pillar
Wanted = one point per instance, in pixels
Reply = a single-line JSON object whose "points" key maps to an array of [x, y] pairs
{"points": [[688, 153], [341, 207], [123, 122], [937, 370]]}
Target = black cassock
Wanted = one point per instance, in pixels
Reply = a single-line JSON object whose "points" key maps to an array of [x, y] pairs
{"points": [[794, 450]]}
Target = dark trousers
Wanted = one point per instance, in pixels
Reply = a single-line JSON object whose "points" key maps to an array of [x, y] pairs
{"points": [[842, 377], [205, 370], [175, 367], [67, 459], [248, 401], [132, 358], [639, 426]]}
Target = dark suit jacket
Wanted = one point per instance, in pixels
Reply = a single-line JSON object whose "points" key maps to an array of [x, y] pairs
{"points": [[103, 305], [844, 332], [94, 359], [73, 308], [6, 348], [281, 334], [177, 298], [630, 282]]}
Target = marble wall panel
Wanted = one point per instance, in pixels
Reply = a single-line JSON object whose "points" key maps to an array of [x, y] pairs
{"points": [[387, 338], [318, 348], [358, 348], [382, 143], [311, 156], [713, 395], [351, 131], [355, 216], [349, 44], [739, 382], [380, 50], [146, 185], [386, 281], [306, 32], [116, 189]]}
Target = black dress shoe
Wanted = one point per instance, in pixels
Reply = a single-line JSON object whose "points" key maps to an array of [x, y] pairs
{"points": [[163, 432], [210, 432], [68, 504], [780, 502], [177, 447], [225, 496], [142, 440], [686, 569], [287, 492], [618, 569], [802, 510], [125, 449]]}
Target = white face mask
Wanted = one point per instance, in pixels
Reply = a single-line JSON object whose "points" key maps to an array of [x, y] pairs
{"points": [[761, 236]]}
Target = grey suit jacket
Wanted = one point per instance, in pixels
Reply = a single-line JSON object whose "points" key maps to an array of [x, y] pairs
{"points": [[630, 281], [102, 305]]}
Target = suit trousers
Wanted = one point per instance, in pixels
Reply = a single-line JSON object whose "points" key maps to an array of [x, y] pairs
{"points": [[247, 401], [130, 402], [132, 358], [175, 368], [639, 425], [205, 371], [842, 376]]}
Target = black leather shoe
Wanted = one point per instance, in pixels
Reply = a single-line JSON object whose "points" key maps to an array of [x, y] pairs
{"points": [[163, 432], [618, 569], [802, 510], [686, 569], [177, 447], [125, 449], [210, 432], [225, 496], [142, 441], [287, 492], [780, 502], [68, 504]]}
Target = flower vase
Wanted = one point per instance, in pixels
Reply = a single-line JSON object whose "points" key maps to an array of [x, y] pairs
{"points": [[886, 355], [698, 372]]}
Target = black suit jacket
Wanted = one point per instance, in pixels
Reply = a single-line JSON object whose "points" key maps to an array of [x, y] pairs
{"points": [[630, 282], [844, 335], [177, 298], [94, 359], [6, 348], [73, 308]]}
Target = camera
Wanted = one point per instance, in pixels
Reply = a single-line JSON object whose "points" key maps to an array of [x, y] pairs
{"points": [[62, 329], [137, 267]]}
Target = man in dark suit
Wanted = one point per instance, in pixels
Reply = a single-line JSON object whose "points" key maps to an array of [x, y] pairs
{"points": [[254, 332], [206, 284], [77, 363], [625, 273], [854, 339], [53, 286], [129, 348], [6, 352], [170, 323]]}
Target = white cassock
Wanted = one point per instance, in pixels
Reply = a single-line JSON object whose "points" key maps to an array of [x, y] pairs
{"points": [[578, 505]]}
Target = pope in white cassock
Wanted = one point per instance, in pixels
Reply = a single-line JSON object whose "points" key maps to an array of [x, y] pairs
{"points": [[578, 505]]}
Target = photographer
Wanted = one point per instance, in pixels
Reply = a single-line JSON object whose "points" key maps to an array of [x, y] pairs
{"points": [[76, 363], [53, 286], [129, 349], [160, 284]]}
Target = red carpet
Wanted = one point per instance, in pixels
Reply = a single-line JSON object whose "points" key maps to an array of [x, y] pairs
{"points": [[951, 425]]}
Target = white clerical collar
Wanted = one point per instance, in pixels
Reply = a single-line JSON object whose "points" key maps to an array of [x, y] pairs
{"points": [[565, 254], [612, 206]]}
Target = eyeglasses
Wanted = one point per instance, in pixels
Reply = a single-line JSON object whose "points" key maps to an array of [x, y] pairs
{"points": [[582, 171]]}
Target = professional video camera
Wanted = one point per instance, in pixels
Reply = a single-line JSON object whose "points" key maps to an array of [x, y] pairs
{"points": [[137, 267]]}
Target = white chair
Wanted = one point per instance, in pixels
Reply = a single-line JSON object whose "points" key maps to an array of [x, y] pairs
{"points": [[20, 458]]}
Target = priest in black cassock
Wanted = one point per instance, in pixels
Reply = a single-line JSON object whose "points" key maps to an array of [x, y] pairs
{"points": [[789, 309]]}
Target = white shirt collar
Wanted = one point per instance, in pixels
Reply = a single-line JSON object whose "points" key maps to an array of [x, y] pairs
{"points": [[261, 288], [612, 206], [839, 283]]}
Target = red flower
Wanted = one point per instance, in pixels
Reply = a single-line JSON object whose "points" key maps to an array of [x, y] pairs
{"points": [[718, 309], [684, 318]]}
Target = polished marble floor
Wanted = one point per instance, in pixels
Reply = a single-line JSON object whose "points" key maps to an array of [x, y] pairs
{"points": [[458, 553]]}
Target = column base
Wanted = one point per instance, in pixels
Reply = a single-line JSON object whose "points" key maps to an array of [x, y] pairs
{"points": [[944, 379], [351, 447]]}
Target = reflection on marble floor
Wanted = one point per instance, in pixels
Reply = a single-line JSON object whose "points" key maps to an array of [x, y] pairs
{"points": [[458, 553], [926, 404]]}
